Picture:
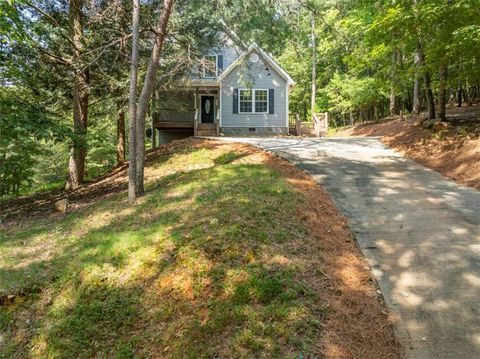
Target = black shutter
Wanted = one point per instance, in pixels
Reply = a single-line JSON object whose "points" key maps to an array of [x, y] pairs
{"points": [[220, 63], [235, 100], [271, 101]]}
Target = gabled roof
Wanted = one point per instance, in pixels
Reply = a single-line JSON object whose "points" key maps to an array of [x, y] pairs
{"points": [[266, 57]]}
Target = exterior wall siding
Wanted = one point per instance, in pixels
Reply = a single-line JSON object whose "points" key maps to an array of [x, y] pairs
{"points": [[256, 76], [230, 54]]}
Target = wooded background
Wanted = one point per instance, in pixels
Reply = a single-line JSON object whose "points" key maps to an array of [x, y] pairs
{"points": [[65, 68]]}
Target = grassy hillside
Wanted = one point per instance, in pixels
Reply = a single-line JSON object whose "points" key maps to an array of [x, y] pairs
{"points": [[217, 260]]}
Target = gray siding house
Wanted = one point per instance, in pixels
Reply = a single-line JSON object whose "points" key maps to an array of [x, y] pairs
{"points": [[237, 90]]}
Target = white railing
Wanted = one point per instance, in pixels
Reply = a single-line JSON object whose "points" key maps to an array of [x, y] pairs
{"points": [[320, 123], [195, 121]]}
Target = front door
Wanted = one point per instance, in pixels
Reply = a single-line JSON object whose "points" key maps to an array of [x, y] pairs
{"points": [[208, 109]]}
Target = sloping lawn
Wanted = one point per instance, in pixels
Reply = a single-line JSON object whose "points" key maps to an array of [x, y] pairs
{"points": [[217, 260]]}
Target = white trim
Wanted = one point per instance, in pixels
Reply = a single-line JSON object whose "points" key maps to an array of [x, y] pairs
{"points": [[216, 67], [213, 106], [265, 56], [220, 105], [288, 110], [251, 100], [253, 112]]}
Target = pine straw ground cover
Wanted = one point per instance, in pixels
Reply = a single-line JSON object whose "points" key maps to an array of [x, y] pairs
{"points": [[232, 253]]}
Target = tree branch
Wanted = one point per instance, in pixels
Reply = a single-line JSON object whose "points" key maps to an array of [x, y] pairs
{"points": [[52, 20], [320, 16], [52, 57]]}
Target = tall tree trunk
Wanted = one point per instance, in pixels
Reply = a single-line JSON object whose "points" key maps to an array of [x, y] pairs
{"points": [[147, 90], [459, 94], [417, 106], [429, 96], [473, 95], [393, 96], [78, 153], [393, 103], [425, 73], [120, 136], [132, 105], [426, 81], [314, 67], [442, 92]]}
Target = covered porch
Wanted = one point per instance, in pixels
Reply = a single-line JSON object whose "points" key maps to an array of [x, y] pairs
{"points": [[190, 109]]}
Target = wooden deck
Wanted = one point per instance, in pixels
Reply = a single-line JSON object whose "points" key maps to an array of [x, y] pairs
{"points": [[174, 120], [187, 118], [173, 125]]}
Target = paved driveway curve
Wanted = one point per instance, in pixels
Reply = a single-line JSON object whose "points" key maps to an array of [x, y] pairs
{"points": [[420, 232]]}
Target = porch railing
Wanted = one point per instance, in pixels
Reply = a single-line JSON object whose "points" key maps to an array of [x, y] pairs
{"points": [[175, 116], [319, 124], [294, 124]]}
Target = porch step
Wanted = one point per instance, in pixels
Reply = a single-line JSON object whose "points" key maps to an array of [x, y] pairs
{"points": [[206, 129], [206, 133], [206, 126]]}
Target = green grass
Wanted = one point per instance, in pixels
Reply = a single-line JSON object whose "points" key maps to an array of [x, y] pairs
{"points": [[203, 266], [36, 189]]}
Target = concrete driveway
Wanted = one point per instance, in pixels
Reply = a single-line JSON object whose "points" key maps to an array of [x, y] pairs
{"points": [[420, 232]]}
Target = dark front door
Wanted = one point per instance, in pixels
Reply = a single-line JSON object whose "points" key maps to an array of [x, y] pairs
{"points": [[208, 109]]}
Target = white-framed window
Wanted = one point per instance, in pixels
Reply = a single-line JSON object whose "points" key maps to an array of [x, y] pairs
{"points": [[245, 101], [210, 70], [261, 101], [253, 101]]}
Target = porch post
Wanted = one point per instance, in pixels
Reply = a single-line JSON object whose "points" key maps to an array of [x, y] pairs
{"points": [[217, 113], [154, 135], [195, 119], [153, 115]]}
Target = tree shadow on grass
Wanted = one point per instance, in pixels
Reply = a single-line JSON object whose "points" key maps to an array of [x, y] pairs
{"points": [[205, 281], [190, 279], [216, 262], [41, 205]]}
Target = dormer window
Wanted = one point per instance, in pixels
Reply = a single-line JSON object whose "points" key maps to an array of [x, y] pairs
{"points": [[210, 70]]}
